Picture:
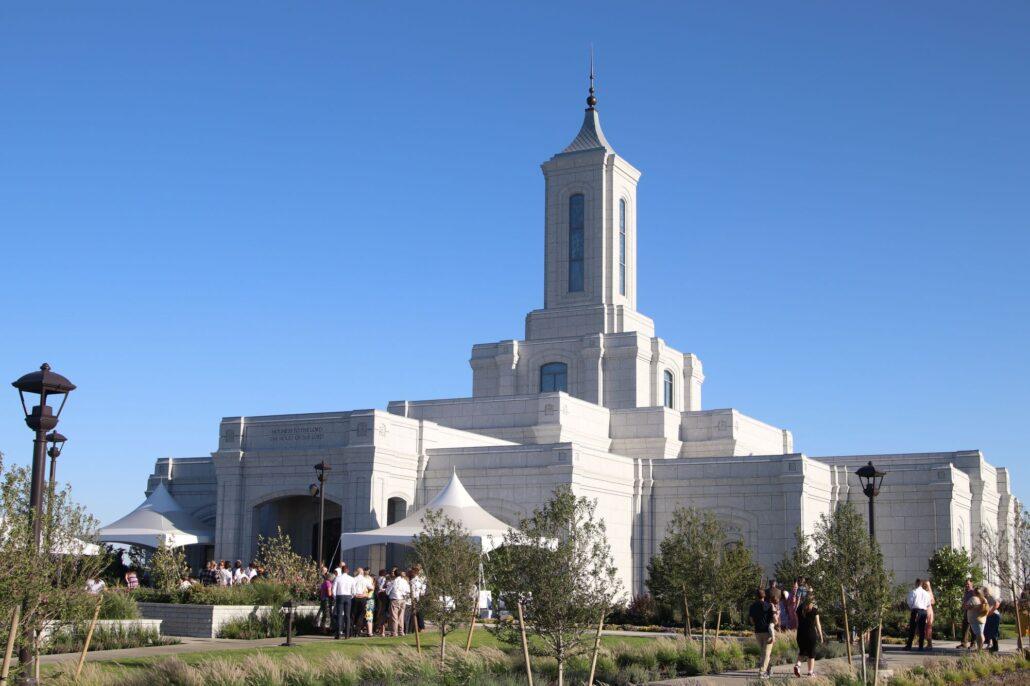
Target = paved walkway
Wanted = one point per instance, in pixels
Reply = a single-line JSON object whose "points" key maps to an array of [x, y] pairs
{"points": [[895, 657], [188, 645]]}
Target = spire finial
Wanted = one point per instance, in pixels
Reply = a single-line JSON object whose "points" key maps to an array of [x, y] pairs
{"points": [[591, 100]]}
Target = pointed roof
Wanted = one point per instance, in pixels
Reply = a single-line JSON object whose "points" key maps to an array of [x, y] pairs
{"points": [[456, 503], [159, 519], [590, 136]]}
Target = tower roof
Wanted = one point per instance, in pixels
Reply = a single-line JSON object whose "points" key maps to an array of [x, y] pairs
{"points": [[590, 136]]}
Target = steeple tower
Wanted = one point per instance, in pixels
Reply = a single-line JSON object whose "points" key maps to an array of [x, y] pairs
{"points": [[590, 246]]}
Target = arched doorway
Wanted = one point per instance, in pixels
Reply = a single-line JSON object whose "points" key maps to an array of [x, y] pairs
{"points": [[396, 554], [297, 517]]}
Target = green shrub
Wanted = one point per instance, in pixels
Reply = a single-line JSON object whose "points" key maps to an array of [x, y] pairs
{"points": [[254, 593], [688, 659], [266, 623], [118, 605]]}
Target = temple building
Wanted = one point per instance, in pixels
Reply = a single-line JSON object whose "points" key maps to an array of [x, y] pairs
{"points": [[589, 397]]}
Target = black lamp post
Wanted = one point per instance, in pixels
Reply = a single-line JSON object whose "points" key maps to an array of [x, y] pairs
{"points": [[56, 442], [321, 469], [871, 479], [40, 419]]}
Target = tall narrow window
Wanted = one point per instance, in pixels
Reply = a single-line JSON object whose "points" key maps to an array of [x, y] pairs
{"points": [[554, 376], [622, 247], [576, 243], [669, 388]]}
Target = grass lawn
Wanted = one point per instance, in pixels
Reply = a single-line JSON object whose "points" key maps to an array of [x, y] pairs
{"points": [[316, 650]]}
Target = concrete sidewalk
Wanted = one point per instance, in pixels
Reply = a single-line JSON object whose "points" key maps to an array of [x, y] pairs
{"points": [[894, 656]]}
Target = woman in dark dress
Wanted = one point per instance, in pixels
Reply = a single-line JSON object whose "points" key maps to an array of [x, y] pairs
{"points": [[810, 632]]}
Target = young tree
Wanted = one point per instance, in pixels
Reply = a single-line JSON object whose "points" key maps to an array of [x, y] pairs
{"points": [[989, 545], [558, 566], [687, 567], [949, 568], [849, 575], [298, 574], [48, 584], [167, 567], [739, 575], [797, 562], [450, 560], [1014, 567]]}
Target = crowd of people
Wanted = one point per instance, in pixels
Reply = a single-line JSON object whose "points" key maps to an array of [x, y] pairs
{"points": [[363, 604], [778, 609], [981, 616]]}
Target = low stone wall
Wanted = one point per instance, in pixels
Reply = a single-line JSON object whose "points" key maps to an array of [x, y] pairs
{"points": [[154, 624], [204, 621]]}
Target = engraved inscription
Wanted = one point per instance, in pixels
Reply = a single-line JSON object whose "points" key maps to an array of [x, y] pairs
{"points": [[288, 434]]}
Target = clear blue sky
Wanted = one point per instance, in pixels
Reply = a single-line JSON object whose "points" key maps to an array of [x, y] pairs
{"points": [[215, 209]]}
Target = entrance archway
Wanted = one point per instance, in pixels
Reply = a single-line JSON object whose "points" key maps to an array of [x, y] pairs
{"points": [[297, 517], [396, 554]]}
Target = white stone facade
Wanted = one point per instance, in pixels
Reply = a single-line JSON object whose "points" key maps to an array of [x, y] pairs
{"points": [[622, 423]]}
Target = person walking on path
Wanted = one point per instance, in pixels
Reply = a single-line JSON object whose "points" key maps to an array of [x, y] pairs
{"points": [[761, 615], [992, 625], [400, 590], [343, 595], [773, 595], [918, 602], [966, 595], [810, 633], [976, 611]]}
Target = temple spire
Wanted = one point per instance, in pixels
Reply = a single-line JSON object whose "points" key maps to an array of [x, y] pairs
{"points": [[591, 100]]}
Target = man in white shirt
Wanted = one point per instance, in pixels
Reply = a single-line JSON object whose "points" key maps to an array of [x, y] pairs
{"points": [[400, 590], [418, 589], [343, 594], [224, 574], [918, 603], [363, 588]]}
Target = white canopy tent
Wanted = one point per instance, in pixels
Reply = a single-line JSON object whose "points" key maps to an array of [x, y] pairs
{"points": [[160, 519], [456, 503]]}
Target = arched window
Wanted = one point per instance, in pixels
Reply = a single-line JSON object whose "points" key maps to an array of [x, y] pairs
{"points": [[554, 376], [669, 388], [576, 243], [622, 247]]}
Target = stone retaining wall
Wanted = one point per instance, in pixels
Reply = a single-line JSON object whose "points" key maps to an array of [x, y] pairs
{"points": [[204, 621]]}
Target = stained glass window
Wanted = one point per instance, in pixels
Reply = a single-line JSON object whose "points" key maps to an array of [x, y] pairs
{"points": [[576, 243]]}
